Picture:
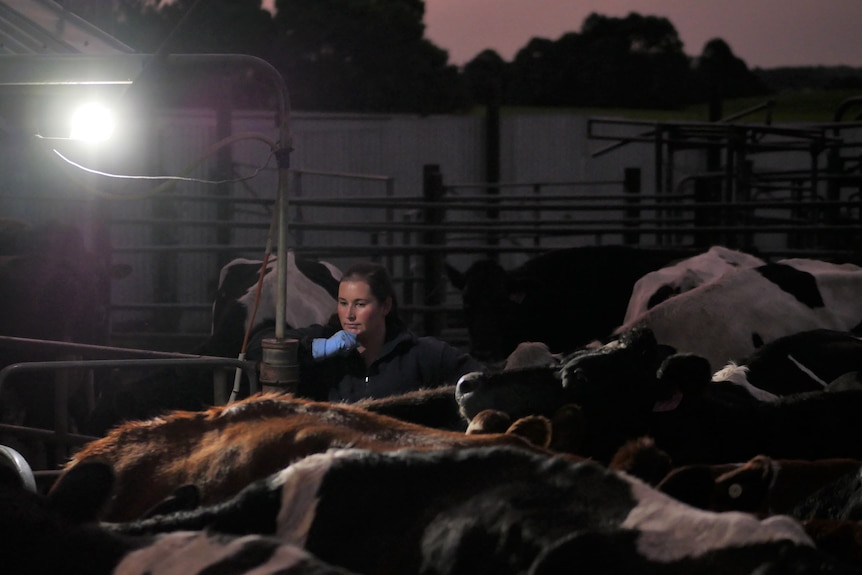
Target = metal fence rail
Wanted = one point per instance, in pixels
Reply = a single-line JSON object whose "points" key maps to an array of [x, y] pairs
{"points": [[64, 357], [780, 214]]}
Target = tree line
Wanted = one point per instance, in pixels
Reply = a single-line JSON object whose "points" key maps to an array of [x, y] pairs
{"points": [[373, 56]]}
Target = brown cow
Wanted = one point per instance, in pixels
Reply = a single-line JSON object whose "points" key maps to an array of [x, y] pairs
{"points": [[223, 449]]}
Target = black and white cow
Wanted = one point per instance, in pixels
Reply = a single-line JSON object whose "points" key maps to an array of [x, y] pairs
{"points": [[729, 318], [806, 361], [56, 533], [565, 298], [494, 510], [662, 284], [310, 298]]}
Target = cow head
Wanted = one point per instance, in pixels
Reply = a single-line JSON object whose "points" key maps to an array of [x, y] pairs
{"points": [[517, 393], [492, 305]]}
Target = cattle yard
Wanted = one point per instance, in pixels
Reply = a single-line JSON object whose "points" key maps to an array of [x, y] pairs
{"points": [[132, 436], [778, 192]]}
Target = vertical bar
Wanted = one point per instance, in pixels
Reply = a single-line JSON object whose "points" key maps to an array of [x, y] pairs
{"points": [[632, 213], [281, 272], [407, 295], [537, 215], [224, 172], [390, 219], [297, 191], [60, 449], [492, 162], [433, 192]]}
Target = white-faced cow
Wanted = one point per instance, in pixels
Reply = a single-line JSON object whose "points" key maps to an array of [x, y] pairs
{"points": [[311, 291], [495, 510], [224, 448], [565, 298], [729, 318]]}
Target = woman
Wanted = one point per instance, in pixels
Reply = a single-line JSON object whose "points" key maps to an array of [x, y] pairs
{"points": [[366, 350]]}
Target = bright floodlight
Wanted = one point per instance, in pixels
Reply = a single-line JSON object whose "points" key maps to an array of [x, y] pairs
{"points": [[92, 122]]}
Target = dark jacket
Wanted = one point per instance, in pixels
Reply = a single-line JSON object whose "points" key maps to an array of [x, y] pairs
{"points": [[407, 362]]}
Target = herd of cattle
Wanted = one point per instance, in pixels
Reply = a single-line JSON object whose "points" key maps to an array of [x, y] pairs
{"points": [[644, 411]]}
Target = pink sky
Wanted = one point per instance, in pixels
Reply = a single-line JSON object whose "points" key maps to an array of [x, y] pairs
{"points": [[764, 33]]}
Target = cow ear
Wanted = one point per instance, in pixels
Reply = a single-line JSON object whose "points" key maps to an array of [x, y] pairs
{"points": [[82, 491], [489, 421], [456, 277], [764, 465], [534, 428]]}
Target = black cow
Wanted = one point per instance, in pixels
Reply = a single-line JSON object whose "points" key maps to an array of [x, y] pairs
{"points": [[494, 510], [710, 422], [311, 292], [57, 533], [565, 298]]}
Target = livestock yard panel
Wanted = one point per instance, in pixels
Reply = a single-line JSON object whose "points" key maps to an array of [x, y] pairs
{"points": [[358, 187]]}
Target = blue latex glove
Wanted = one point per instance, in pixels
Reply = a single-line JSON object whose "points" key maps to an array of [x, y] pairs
{"points": [[339, 344]]}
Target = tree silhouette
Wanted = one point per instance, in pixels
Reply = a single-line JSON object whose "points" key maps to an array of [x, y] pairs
{"points": [[363, 55], [486, 77], [636, 61], [722, 75], [372, 56]]}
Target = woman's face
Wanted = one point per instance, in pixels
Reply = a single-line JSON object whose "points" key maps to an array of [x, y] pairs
{"points": [[359, 311]]}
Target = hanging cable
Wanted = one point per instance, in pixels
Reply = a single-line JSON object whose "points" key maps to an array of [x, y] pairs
{"points": [[171, 181]]}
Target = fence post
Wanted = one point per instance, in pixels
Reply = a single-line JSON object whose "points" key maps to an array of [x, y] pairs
{"points": [[408, 270], [632, 190], [298, 234], [434, 286]]}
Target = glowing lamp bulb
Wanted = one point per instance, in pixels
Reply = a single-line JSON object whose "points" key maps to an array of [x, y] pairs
{"points": [[92, 122]]}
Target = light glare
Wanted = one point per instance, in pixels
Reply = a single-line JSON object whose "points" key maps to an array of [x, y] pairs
{"points": [[92, 122]]}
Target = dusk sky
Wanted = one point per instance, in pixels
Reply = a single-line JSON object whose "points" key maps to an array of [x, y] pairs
{"points": [[764, 33]]}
